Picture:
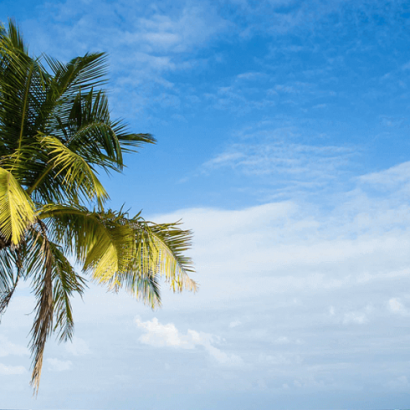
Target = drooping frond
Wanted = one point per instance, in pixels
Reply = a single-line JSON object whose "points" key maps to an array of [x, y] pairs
{"points": [[54, 282], [95, 238], [41, 263], [66, 282], [124, 252], [161, 247], [143, 288], [155, 250], [10, 267], [16, 209]]}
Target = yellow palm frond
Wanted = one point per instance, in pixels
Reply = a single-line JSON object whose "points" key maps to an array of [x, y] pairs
{"points": [[160, 247], [16, 208]]}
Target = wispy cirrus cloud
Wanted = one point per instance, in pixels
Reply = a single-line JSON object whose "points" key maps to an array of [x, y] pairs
{"points": [[139, 38], [289, 164], [146, 43], [282, 158]]}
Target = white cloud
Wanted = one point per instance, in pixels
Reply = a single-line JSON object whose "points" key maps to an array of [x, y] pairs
{"points": [[8, 348], [390, 177], [193, 27], [280, 359], [57, 365], [282, 340], [77, 347], [397, 307], [235, 323], [221, 357], [289, 248], [358, 318], [399, 383], [11, 370], [159, 335]]}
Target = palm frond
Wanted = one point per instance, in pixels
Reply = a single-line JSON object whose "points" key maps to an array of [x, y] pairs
{"points": [[10, 267], [161, 247], [22, 94], [41, 262], [143, 288], [78, 174], [89, 131], [121, 251], [65, 283], [16, 209], [99, 242], [81, 73], [13, 33], [155, 250], [54, 283]]}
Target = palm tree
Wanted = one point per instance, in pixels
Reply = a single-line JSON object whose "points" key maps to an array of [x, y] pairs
{"points": [[55, 135]]}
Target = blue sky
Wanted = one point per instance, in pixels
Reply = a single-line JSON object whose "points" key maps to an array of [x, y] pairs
{"points": [[282, 131]]}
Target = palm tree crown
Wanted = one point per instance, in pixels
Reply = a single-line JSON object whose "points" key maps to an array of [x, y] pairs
{"points": [[55, 135]]}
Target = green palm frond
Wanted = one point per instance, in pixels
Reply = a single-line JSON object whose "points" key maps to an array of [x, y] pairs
{"points": [[81, 73], [118, 250], [66, 283], [13, 36], [22, 94], [54, 283], [16, 209], [41, 262], [78, 174], [89, 130], [10, 269], [143, 288]]}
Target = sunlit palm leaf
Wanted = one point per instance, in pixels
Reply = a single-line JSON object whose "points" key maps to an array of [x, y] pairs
{"points": [[16, 209], [156, 251], [161, 247]]}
